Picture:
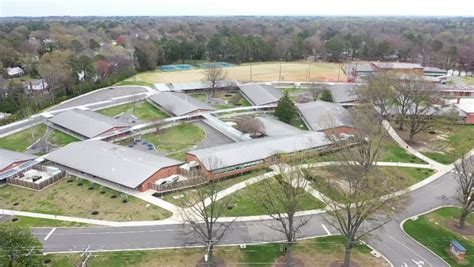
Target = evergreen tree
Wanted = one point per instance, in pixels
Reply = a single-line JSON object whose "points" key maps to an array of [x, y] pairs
{"points": [[286, 109], [326, 96]]}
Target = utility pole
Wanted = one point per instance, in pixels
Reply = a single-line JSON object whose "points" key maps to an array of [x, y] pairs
{"points": [[309, 72], [85, 256]]}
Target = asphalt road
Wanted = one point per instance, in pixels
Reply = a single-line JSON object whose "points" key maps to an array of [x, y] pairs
{"points": [[389, 240]]}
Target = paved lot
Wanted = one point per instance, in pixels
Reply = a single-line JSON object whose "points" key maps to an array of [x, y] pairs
{"points": [[213, 137]]}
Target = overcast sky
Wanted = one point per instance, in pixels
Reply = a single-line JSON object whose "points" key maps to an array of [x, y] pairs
{"points": [[235, 7]]}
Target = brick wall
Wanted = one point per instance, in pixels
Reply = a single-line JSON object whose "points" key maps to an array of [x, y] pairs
{"points": [[162, 173]]}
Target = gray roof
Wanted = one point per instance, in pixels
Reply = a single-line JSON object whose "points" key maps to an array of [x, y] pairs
{"points": [[274, 127], [86, 123], [260, 94], [434, 69], [122, 165], [343, 93], [396, 65], [191, 86], [179, 103], [257, 149], [8, 157], [320, 115], [360, 67]]}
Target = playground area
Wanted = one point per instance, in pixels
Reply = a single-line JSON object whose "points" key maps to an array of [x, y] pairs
{"points": [[261, 72]]}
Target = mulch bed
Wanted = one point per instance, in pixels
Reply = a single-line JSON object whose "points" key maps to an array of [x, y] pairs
{"points": [[453, 225], [218, 262], [341, 263], [282, 262]]}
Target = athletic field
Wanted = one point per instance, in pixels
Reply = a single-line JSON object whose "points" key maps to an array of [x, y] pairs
{"points": [[261, 72]]}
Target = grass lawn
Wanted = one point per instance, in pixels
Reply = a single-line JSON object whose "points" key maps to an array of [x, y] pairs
{"points": [[38, 222], [20, 141], [244, 203], [265, 71], [392, 152], [432, 231], [143, 111], [68, 198], [446, 144], [408, 176], [200, 96], [131, 82], [299, 123], [313, 252], [191, 193], [176, 138], [468, 80]]}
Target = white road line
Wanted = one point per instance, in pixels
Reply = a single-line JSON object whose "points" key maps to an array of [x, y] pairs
{"points": [[326, 229], [411, 250], [50, 233]]}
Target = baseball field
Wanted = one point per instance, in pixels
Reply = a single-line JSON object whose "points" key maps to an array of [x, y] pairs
{"points": [[257, 72]]}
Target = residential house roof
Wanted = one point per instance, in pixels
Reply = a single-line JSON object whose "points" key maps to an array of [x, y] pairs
{"points": [[320, 115]]}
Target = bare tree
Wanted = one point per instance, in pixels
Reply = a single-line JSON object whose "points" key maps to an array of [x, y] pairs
{"points": [[357, 204], [414, 100], [252, 126], [214, 75], [465, 187], [203, 214], [281, 199], [379, 91]]}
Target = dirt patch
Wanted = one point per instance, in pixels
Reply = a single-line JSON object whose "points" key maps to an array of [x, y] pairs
{"points": [[453, 225], [341, 263], [296, 262], [218, 262]]}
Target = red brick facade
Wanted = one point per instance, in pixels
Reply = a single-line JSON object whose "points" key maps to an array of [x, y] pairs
{"points": [[470, 118], [162, 173]]}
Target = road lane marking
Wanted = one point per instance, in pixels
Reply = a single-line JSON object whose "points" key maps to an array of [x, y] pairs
{"points": [[411, 250], [326, 229], [50, 233]]}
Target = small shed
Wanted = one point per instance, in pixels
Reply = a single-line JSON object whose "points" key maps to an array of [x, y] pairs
{"points": [[457, 250]]}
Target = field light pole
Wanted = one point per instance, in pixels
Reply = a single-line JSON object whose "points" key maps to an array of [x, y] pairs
{"points": [[279, 77], [309, 72], [250, 69]]}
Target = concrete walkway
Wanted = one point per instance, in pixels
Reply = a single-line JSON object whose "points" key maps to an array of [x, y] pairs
{"points": [[409, 149]]}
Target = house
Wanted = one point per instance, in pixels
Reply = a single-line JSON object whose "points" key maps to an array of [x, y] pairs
{"points": [[237, 158], [358, 69], [409, 68], [123, 166], [10, 161], [467, 109], [86, 124], [330, 118], [36, 86], [178, 104], [260, 94], [15, 72], [364, 69]]}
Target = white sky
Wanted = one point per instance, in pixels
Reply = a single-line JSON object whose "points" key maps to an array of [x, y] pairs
{"points": [[236, 7]]}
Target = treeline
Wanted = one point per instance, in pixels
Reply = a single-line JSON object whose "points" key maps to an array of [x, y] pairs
{"points": [[70, 53]]}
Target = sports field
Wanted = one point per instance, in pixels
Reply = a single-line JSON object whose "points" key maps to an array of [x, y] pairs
{"points": [[267, 71]]}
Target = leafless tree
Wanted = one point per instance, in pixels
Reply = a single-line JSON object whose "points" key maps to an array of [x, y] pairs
{"points": [[202, 215], [214, 75], [465, 187], [281, 199], [251, 126], [379, 91], [357, 205], [414, 100]]}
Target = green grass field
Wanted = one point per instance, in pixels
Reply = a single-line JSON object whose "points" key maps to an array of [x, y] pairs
{"points": [[432, 231], [68, 198], [176, 138], [143, 111], [191, 193], [313, 252], [468, 80], [20, 141], [245, 204], [38, 222], [131, 82], [392, 152]]}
